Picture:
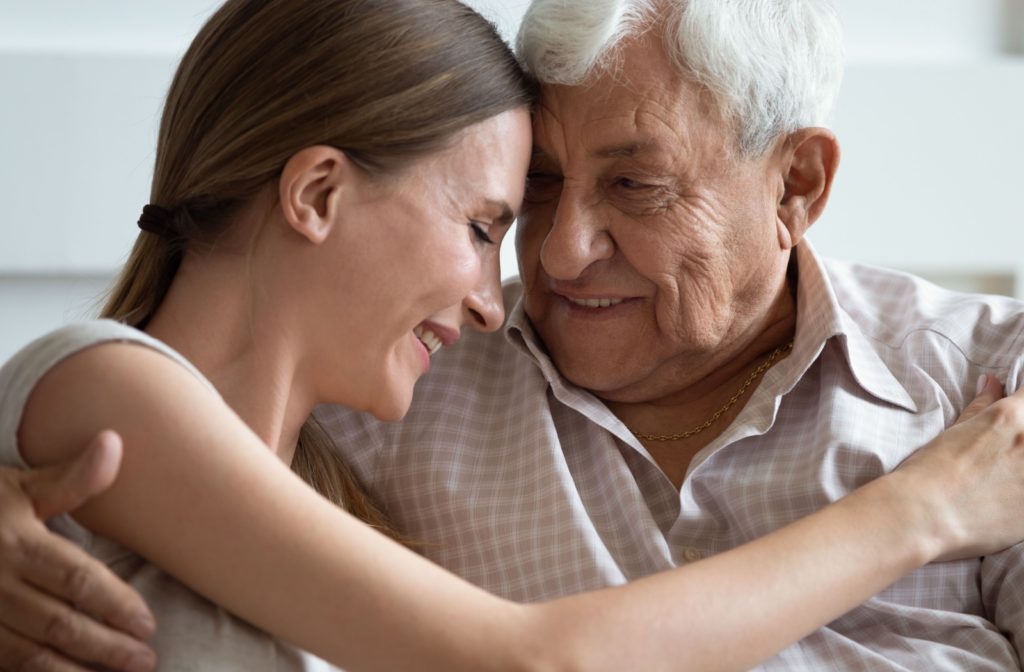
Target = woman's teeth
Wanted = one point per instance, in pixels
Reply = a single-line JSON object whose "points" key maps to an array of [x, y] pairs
{"points": [[596, 303], [428, 338]]}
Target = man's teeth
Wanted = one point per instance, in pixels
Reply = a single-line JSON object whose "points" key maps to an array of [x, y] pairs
{"points": [[596, 303], [428, 338]]}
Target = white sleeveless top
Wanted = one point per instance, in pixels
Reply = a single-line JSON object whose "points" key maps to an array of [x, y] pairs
{"points": [[192, 633]]}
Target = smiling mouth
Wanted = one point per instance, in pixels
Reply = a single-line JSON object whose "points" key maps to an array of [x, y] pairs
{"points": [[594, 303], [430, 340]]}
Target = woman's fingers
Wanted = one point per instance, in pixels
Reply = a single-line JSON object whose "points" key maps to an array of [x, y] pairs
{"points": [[973, 473], [989, 391]]}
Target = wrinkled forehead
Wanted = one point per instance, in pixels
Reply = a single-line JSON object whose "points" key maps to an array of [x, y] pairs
{"points": [[640, 100]]}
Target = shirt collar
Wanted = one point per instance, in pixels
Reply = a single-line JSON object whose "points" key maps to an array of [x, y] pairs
{"points": [[820, 317], [521, 335]]}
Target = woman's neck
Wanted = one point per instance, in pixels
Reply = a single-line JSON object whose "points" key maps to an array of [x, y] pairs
{"points": [[214, 318]]}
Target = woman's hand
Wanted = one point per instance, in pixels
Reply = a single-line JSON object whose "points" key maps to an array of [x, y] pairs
{"points": [[41, 574], [972, 476], [962, 495]]}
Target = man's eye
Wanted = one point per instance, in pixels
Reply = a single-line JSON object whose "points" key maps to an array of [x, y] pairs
{"points": [[481, 233], [629, 184]]}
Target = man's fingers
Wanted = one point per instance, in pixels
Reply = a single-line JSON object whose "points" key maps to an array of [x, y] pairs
{"points": [[65, 487], [45, 575], [58, 627], [63, 570], [990, 390], [17, 654]]}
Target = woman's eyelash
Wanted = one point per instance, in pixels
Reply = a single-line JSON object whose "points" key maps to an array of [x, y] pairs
{"points": [[481, 233]]}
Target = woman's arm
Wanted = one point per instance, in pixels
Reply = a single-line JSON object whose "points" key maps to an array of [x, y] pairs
{"points": [[961, 496], [202, 497]]}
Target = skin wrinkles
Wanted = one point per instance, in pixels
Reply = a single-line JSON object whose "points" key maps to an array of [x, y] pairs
{"points": [[637, 192], [674, 236]]}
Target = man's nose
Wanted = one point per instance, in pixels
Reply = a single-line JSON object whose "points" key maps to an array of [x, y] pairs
{"points": [[483, 308], [577, 238]]}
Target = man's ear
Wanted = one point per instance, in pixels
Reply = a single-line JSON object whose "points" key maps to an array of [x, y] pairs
{"points": [[810, 161], [310, 188]]}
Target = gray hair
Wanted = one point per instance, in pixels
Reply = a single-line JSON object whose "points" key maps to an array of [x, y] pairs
{"points": [[772, 66]]}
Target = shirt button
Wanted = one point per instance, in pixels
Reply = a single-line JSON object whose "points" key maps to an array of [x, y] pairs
{"points": [[692, 554]]}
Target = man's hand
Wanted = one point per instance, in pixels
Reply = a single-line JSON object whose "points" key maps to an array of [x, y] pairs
{"points": [[58, 604], [972, 476]]}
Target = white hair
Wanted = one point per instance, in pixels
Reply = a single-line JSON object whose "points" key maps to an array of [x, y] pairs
{"points": [[772, 66]]}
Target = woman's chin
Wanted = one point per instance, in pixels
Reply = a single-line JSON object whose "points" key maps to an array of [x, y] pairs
{"points": [[393, 409]]}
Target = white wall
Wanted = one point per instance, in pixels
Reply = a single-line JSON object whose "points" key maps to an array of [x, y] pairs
{"points": [[931, 179]]}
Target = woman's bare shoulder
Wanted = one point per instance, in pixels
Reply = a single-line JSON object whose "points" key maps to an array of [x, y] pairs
{"points": [[126, 386]]}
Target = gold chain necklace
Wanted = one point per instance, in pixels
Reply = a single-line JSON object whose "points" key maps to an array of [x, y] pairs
{"points": [[754, 375]]}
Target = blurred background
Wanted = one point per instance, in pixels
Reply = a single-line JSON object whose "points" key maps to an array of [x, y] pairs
{"points": [[931, 120]]}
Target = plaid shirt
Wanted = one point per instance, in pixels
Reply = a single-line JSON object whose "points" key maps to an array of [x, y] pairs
{"points": [[529, 487]]}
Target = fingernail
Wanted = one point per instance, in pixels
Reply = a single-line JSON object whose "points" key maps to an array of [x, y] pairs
{"points": [[142, 627], [982, 379], [142, 662]]}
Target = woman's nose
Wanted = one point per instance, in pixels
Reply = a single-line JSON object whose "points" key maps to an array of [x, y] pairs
{"points": [[484, 308]]}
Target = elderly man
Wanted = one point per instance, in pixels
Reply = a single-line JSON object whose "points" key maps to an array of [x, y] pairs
{"points": [[680, 371]]}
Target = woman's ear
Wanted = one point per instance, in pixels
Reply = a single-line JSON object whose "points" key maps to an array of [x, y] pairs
{"points": [[810, 163], [310, 188]]}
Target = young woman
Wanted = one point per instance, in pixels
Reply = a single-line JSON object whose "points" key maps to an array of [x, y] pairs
{"points": [[332, 180]]}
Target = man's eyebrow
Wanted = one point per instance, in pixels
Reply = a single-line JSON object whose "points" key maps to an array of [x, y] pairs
{"points": [[614, 151], [622, 151]]}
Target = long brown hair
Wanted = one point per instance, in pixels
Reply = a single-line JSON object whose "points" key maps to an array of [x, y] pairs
{"points": [[387, 81]]}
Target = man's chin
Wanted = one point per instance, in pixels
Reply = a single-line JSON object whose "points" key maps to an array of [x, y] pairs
{"points": [[597, 372]]}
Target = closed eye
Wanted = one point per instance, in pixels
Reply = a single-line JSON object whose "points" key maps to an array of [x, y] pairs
{"points": [[630, 185], [481, 233]]}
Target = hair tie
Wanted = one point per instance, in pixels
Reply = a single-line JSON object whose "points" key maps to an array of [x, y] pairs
{"points": [[157, 220]]}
